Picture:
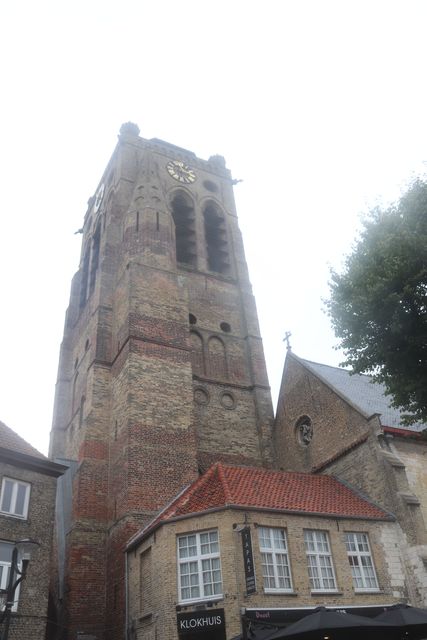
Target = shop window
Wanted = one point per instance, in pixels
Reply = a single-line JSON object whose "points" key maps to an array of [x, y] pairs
{"points": [[199, 566], [185, 233], [216, 240], [275, 559], [319, 561], [14, 499], [360, 559]]}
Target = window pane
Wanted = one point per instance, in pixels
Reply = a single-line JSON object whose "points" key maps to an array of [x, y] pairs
{"points": [[275, 564], [200, 577], [264, 538], [5, 552], [360, 560], [319, 560], [20, 499], [6, 502]]}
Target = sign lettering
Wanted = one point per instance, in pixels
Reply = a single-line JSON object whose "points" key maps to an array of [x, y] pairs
{"points": [[248, 561]]}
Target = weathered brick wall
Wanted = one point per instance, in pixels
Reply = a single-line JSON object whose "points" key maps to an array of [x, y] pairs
{"points": [[336, 424], [153, 612], [127, 352], [350, 446], [29, 622]]}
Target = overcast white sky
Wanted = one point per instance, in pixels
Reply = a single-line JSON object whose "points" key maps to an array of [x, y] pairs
{"points": [[318, 106]]}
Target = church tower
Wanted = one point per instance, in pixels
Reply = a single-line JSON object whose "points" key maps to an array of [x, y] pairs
{"points": [[161, 369]]}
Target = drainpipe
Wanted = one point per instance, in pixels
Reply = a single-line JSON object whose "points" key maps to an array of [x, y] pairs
{"points": [[127, 636]]}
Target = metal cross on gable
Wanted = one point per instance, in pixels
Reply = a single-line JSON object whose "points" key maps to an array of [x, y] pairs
{"points": [[286, 339]]}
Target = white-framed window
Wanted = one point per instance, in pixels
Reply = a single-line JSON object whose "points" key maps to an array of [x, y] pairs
{"points": [[360, 559], [14, 498], [199, 565], [276, 571], [319, 560], [6, 550]]}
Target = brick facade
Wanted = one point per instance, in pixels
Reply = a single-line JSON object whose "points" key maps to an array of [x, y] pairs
{"points": [[19, 462], [161, 374], [352, 446], [152, 569], [161, 367]]}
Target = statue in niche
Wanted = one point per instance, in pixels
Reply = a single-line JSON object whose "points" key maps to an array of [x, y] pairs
{"points": [[305, 431]]}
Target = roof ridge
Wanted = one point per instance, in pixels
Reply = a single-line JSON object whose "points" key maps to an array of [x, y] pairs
{"points": [[194, 486], [223, 479]]}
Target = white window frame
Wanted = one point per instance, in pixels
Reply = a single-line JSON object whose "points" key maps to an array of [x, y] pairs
{"points": [[200, 550], [276, 568], [4, 575], [320, 565], [361, 562], [12, 510]]}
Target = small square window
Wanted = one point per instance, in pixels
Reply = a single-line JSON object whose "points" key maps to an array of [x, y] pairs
{"points": [[14, 498]]}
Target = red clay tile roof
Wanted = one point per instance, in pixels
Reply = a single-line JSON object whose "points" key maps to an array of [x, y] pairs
{"points": [[256, 488], [405, 433], [10, 440]]}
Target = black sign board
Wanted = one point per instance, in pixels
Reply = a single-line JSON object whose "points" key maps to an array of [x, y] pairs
{"points": [[200, 621], [282, 616], [248, 561]]}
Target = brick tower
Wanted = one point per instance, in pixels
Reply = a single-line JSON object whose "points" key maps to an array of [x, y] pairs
{"points": [[161, 368]]}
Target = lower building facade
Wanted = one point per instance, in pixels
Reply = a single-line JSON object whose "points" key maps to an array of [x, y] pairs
{"points": [[231, 570]]}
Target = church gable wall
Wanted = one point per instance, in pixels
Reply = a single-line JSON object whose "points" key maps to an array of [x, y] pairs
{"points": [[336, 426]]}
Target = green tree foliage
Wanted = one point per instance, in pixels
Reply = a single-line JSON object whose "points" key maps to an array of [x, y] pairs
{"points": [[378, 305]]}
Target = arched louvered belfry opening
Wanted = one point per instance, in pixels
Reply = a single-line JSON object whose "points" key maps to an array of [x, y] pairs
{"points": [[185, 232], [218, 256]]}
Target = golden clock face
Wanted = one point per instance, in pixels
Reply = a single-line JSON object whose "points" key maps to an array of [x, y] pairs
{"points": [[180, 171]]}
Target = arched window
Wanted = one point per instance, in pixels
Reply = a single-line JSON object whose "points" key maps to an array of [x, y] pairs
{"points": [[73, 397], [85, 278], [185, 233], [197, 356], [216, 239], [95, 257], [82, 406], [217, 358]]}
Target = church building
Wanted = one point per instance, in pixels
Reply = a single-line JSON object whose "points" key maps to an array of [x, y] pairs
{"points": [[161, 370], [163, 416]]}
